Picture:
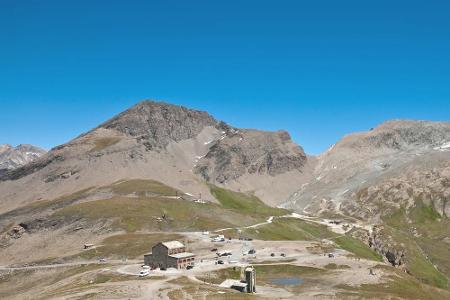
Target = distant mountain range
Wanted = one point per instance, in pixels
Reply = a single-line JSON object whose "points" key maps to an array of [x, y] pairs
{"points": [[15, 157]]}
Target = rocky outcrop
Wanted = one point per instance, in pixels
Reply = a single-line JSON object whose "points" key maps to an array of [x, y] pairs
{"points": [[246, 151], [156, 124], [371, 159], [400, 135], [384, 245], [31, 167], [403, 191]]}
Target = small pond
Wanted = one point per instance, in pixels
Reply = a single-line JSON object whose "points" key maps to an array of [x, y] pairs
{"points": [[287, 281]]}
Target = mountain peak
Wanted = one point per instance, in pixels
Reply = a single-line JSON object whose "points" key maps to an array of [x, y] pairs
{"points": [[159, 123]]}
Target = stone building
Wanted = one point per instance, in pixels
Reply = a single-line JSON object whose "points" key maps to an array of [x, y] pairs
{"points": [[169, 255]]}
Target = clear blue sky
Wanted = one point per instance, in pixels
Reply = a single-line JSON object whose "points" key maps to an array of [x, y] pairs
{"points": [[319, 69]]}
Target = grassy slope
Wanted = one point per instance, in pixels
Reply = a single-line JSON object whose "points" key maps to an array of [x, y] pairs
{"points": [[400, 286], [141, 187], [432, 230], [281, 230], [235, 210], [133, 214], [150, 202], [248, 204], [357, 247], [128, 245], [103, 143]]}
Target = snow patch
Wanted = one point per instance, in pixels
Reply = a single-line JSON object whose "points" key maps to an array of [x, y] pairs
{"points": [[443, 147], [32, 154], [345, 192]]}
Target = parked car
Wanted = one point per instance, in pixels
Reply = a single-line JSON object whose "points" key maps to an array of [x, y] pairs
{"points": [[214, 250], [330, 255], [102, 260], [189, 267], [145, 267], [220, 262], [283, 255], [272, 254], [252, 251], [144, 273]]}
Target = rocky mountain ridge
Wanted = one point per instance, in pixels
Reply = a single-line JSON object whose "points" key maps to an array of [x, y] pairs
{"points": [[171, 144], [15, 157], [364, 159]]}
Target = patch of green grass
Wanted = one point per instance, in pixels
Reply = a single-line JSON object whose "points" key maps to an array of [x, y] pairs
{"points": [[12, 285], [400, 286], [357, 247], [417, 264], [424, 233], [142, 187], [103, 143], [423, 214], [248, 204], [288, 229], [130, 245], [133, 214], [277, 232], [334, 266]]}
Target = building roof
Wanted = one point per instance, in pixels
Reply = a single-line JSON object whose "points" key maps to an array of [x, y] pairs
{"points": [[228, 283], [173, 245], [182, 255]]}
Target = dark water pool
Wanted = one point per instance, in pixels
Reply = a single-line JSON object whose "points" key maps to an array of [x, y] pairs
{"points": [[287, 281]]}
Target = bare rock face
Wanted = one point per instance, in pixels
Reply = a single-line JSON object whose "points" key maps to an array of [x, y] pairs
{"points": [[157, 123], [399, 135], [14, 157], [387, 247], [246, 151], [430, 186], [363, 160]]}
